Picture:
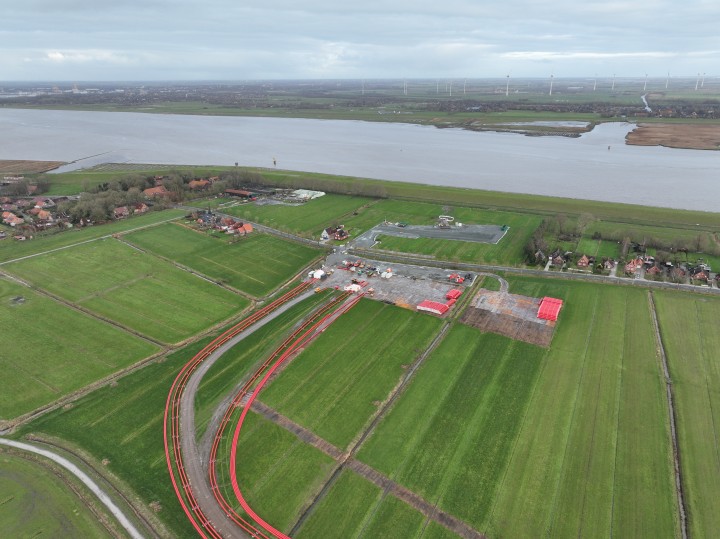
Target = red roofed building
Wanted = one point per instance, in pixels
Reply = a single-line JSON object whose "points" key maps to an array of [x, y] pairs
{"points": [[549, 308], [453, 294], [433, 307]]}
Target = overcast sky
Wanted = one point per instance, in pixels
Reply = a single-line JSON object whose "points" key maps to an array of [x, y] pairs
{"points": [[76, 40]]}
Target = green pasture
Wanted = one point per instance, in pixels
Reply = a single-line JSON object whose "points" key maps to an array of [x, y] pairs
{"points": [[366, 512], [277, 472], [598, 248], [48, 350], [255, 264], [123, 423], [42, 243], [593, 452], [691, 340], [136, 289], [34, 502], [239, 361], [308, 219], [450, 436], [336, 384]]}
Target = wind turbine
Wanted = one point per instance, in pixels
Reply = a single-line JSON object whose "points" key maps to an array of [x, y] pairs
{"points": [[464, 84], [667, 81], [450, 88], [702, 82], [697, 82], [363, 86], [595, 83], [613, 85], [551, 84], [507, 85], [645, 85]]}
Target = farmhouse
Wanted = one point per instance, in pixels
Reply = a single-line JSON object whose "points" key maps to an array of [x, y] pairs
{"points": [[121, 212], [634, 265], [11, 219], [336, 233], [584, 262], [140, 207], [199, 185]]}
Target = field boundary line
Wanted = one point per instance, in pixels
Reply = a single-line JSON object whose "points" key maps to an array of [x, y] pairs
{"points": [[672, 415], [562, 470]]}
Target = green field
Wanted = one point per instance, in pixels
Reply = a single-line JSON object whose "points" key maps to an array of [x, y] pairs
{"points": [[335, 385], [277, 472], [132, 288], [48, 350], [687, 325], [308, 219], [256, 264], [12, 250], [123, 423], [34, 502]]}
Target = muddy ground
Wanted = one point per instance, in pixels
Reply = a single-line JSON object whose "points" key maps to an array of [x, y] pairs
{"points": [[27, 167], [697, 137]]}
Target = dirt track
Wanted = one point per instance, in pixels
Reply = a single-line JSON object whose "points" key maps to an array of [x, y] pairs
{"points": [[697, 137]]}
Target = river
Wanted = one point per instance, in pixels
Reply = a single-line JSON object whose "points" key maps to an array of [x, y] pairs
{"points": [[596, 166]]}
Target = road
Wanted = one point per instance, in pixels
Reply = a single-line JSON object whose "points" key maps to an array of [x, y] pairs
{"points": [[86, 480], [195, 466]]}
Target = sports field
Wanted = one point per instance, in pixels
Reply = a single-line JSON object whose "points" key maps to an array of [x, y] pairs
{"points": [[34, 502], [133, 288], [256, 264], [691, 340], [48, 350]]}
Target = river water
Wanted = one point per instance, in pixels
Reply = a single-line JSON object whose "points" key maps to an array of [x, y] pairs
{"points": [[596, 166]]}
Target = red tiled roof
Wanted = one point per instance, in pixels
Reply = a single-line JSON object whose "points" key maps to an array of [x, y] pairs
{"points": [[433, 307], [549, 308]]}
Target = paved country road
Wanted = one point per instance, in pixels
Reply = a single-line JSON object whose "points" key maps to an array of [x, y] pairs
{"points": [[82, 476]]}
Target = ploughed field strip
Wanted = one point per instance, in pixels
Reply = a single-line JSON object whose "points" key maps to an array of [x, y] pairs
{"points": [[512, 315]]}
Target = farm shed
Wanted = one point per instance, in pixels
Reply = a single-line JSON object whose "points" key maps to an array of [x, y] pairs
{"points": [[453, 294], [433, 307], [549, 308]]}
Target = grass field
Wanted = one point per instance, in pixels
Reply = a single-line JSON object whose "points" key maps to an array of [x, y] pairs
{"points": [[34, 502], [277, 472], [48, 350], [11, 250], [133, 288], [450, 436], [307, 219], [335, 385], [256, 264], [691, 340], [594, 441], [123, 423], [366, 512]]}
